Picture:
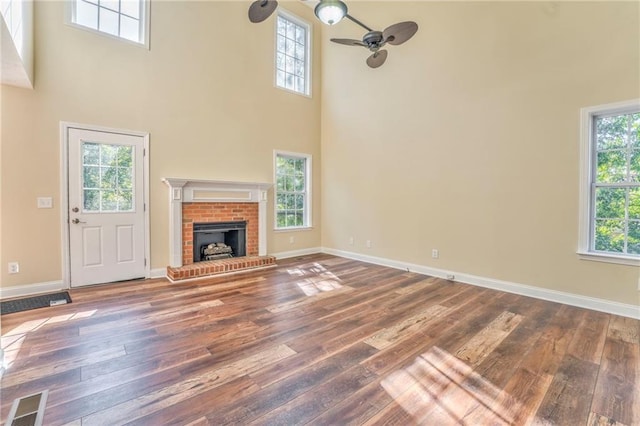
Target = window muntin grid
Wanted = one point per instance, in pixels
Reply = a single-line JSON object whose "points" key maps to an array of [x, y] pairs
{"points": [[119, 18], [291, 192], [292, 61], [107, 178], [615, 227]]}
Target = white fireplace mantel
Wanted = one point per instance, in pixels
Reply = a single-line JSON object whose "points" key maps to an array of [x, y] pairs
{"points": [[212, 191]]}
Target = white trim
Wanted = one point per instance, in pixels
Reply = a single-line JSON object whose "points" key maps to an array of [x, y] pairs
{"points": [[585, 207], [64, 194], [609, 258], [622, 309], [158, 273], [308, 63], [182, 190], [30, 289], [296, 253], [308, 184], [297, 229]]}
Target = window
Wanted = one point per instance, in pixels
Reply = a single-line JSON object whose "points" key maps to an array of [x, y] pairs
{"points": [[292, 53], [293, 190], [12, 13], [107, 177], [610, 169], [125, 19]]}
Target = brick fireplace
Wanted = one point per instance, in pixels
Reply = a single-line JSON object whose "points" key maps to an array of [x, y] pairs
{"points": [[218, 212], [207, 201]]}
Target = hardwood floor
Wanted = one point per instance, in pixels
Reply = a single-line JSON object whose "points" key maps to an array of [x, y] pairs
{"points": [[321, 340]]}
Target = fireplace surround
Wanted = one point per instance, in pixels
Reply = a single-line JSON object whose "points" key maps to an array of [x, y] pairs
{"points": [[238, 201]]}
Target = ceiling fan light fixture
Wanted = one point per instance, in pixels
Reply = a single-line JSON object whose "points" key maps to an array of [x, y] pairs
{"points": [[331, 12]]}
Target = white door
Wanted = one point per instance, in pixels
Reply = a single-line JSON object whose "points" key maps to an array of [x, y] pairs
{"points": [[106, 207]]}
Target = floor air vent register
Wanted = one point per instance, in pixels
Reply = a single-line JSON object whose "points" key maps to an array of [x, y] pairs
{"points": [[34, 302], [28, 411]]}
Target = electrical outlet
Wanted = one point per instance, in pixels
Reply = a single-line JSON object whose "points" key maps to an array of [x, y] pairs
{"points": [[435, 253], [368, 243], [350, 241], [292, 240], [451, 277], [14, 267]]}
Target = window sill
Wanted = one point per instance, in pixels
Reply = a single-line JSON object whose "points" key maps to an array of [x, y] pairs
{"points": [[297, 229], [609, 258]]}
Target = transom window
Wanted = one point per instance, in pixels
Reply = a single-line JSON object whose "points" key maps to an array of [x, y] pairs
{"points": [[107, 178], [126, 19], [292, 192], [614, 180], [292, 53]]}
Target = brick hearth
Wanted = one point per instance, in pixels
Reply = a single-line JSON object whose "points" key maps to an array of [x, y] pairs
{"points": [[216, 267]]}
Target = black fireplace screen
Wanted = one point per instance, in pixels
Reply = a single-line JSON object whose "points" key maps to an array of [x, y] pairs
{"points": [[219, 240]]}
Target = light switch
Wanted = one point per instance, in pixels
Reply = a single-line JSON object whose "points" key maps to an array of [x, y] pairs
{"points": [[45, 202]]}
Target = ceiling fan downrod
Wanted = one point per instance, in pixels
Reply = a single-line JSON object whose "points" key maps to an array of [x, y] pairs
{"points": [[352, 19]]}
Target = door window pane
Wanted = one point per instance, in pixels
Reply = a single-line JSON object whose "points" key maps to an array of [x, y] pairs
{"points": [[107, 178]]}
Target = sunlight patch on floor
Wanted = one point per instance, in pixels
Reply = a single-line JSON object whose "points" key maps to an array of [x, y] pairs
{"points": [[311, 287], [318, 279], [11, 342], [438, 388]]}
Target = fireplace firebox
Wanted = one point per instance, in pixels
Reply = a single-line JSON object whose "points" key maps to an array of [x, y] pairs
{"points": [[219, 240]]}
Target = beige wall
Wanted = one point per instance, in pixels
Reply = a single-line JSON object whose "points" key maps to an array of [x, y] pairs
{"points": [[204, 92], [466, 140]]}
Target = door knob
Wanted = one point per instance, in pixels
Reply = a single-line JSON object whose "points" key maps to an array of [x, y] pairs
{"points": [[75, 210], [77, 221]]}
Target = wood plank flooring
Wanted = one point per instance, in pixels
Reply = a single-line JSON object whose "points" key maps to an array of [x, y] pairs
{"points": [[321, 340]]}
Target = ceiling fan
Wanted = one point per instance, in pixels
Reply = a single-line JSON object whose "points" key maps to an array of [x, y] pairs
{"points": [[331, 12], [375, 40]]}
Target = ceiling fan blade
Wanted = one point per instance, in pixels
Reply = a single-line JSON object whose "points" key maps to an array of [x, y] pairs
{"points": [[261, 10], [377, 59], [348, 42], [400, 32]]}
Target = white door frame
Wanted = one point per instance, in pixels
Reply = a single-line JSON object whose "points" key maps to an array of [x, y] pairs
{"points": [[64, 193]]}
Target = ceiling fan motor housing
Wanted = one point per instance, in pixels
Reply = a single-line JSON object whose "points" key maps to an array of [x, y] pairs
{"points": [[373, 39]]}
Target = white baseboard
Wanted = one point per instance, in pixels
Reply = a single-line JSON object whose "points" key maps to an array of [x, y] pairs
{"points": [[158, 273], [622, 309], [295, 253], [30, 289], [616, 308]]}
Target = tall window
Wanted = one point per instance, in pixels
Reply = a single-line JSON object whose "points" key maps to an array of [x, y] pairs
{"points": [[126, 19], [292, 53], [292, 193], [611, 139]]}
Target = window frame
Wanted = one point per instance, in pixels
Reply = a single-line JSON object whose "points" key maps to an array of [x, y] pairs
{"points": [[307, 214], [70, 14], [586, 238], [281, 12]]}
